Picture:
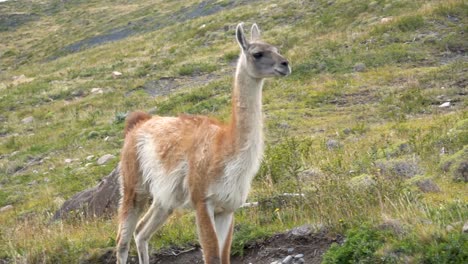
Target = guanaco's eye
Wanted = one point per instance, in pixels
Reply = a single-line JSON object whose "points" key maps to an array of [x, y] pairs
{"points": [[257, 55]]}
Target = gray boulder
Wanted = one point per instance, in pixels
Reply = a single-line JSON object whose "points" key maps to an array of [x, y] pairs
{"points": [[98, 201]]}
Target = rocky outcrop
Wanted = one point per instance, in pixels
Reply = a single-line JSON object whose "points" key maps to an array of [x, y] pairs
{"points": [[98, 201]]}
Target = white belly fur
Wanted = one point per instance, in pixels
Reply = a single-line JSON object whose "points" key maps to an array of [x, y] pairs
{"points": [[171, 190]]}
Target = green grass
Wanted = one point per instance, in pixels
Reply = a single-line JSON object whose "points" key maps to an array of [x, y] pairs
{"points": [[384, 115]]}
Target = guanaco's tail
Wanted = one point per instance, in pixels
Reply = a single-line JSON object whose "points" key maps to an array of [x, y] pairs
{"points": [[134, 118]]}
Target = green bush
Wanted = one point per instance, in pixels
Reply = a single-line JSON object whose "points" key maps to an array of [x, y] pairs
{"points": [[359, 247], [451, 248]]}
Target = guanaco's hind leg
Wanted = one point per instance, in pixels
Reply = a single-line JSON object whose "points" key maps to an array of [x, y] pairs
{"points": [[149, 223], [129, 212]]}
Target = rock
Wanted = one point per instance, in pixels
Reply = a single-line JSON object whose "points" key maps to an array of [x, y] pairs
{"points": [[97, 91], [298, 256], [104, 159], [462, 171], [332, 144], [27, 120], [287, 260], [290, 250], [445, 105], [393, 225], [310, 174], [21, 79], [284, 125], [449, 228], [153, 111], [359, 67], [116, 74], [32, 183], [98, 201], [90, 157], [303, 230], [427, 185], [386, 20], [400, 168], [347, 131], [68, 160], [465, 227], [6, 208], [456, 165], [362, 181]]}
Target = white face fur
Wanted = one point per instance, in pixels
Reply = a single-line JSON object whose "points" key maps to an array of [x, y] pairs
{"points": [[262, 59]]}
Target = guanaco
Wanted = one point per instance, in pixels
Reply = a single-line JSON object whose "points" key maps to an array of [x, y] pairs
{"points": [[196, 161]]}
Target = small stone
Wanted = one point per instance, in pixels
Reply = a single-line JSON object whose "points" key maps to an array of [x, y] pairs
{"points": [[97, 91], [359, 67], [6, 208], [90, 157], [332, 144], [449, 228], [284, 125], [394, 225], [445, 105], [303, 230], [298, 256], [287, 260], [27, 120], [386, 20], [300, 261], [68, 160], [290, 250], [104, 159], [465, 227], [310, 174], [153, 111], [32, 183], [116, 74]]}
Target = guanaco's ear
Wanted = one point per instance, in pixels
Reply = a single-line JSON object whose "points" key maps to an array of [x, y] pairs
{"points": [[255, 33], [241, 37]]}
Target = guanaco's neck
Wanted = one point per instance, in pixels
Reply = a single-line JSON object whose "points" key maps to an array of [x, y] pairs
{"points": [[247, 120]]}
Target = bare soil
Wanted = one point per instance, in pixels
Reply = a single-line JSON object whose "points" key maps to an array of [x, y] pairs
{"points": [[297, 241]]}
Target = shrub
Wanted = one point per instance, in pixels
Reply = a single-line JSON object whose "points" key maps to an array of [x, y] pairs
{"points": [[359, 247]]}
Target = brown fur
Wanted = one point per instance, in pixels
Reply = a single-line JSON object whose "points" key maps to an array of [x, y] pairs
{"points": [[134, 118]]}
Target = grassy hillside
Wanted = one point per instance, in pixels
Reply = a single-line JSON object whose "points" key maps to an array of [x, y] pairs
{"points": [[357, 128]]}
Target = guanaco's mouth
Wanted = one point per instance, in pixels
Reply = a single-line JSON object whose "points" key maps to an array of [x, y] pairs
{"points": [[282, 73]]}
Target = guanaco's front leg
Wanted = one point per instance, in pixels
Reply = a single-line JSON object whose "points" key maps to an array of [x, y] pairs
{"points": [[207, 232]]}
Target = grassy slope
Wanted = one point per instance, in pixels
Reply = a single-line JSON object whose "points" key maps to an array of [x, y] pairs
{"points": [[413, 63]]}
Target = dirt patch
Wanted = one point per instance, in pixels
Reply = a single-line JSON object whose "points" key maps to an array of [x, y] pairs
{"points": [[300, 240], [168, 85]]}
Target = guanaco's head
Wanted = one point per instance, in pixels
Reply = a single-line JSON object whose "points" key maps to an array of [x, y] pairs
{"points": [[260, 59]]}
